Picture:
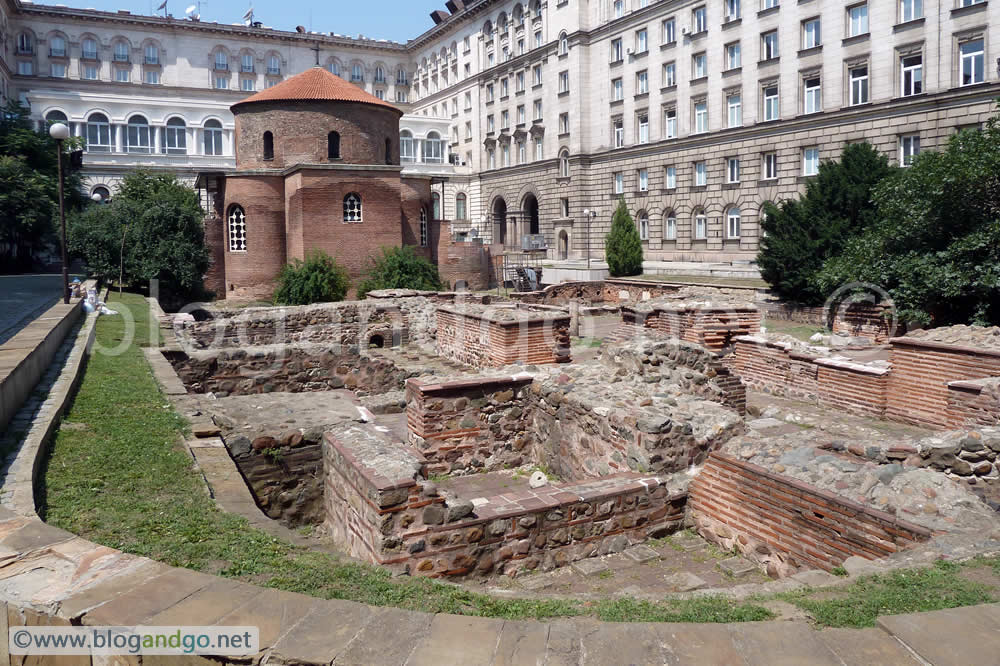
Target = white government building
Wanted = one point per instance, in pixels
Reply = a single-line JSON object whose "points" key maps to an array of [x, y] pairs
{"points": [[535, 117]]}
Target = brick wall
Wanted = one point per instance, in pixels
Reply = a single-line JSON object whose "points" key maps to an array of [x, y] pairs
{"points": [[972, 403], [785, 524], [481, 339], [852, 387], [467, 262], [252, 273], [773, 368], [712, 328], [472, 423], [921, 371], [865, 320]]}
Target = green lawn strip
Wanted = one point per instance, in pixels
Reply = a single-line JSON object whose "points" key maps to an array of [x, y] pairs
{"points": [[124, 481], [901, 591]]}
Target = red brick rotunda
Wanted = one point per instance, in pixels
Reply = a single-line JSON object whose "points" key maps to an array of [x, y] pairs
{"points": [[317, 167]]}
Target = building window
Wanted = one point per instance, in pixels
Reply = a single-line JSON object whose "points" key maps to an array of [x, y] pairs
{"points": [[734, 59], [247, 84], [57, 70], [732, 10], [423, 227], [564, 207], [406, 153], [564, 123], [769, 4], [700, 174], [858, 77], [972, 55], [700, 117], [811, 102], [699, 20], [121, 52], [237, 229], [222, 83], [670, 178], [734, 105], [642, 123], [733, 170], [432, 148], [733, 222], [357, 73], [137, 135], [857, 20], [505, 119], [563, 44], [699, 65], [379, 74], [212, 133], [123, 75], [619, 182], [491, 159], [641, 41], [25, 44], [98, 133], [909, 147], [151, 54], [520, 114], [810, 34], [536, 110], [670, 124], [333, 146], [617, 90], [700, 225], [489, 92], [460, 208], [668, 29], [538, 149], [175, 137], [642, 82], [810, 161], [644, 180], [505, 155], [221, 61], [268, 146], [769, 45], [152, 76], [504, 87], [57, 47], [770, 166], [619, 8], [273, 65], [669, 75], [670, 226], [490, 124], [911, 75], [643, 225], [522, 153], [352, 207], [564, 164], [90, 72], [519, 82], [435, 205], [910, 10], [563, 82], [618, 127], [88, 49]]}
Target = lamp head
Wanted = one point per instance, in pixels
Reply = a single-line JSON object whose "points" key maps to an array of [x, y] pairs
{"points": [[96, 196], [59, 131]]}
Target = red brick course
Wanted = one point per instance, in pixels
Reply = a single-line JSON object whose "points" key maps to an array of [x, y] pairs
{"points": [[481, 340]]}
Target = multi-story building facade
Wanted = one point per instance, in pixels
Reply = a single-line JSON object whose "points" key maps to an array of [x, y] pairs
{"points": [[537, 116]]}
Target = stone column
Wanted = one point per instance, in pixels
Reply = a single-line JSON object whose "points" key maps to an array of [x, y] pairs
{"points": [[119, 130], [154, 139]]}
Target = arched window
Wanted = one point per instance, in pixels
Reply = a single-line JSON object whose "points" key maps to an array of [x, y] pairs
{"points": [[733, 222], [335, 68], [700, 224], [151, 54], [88, 49], [563, 244], [432, 148], [563, 43], [213, 137], [175, 137], [332, 146], [357, 73], [55, 117], [423, 228], [388, 151], [121, 52], [103, 193], [564, 164], [518, 15], [406, 146], [352, 207], [98, 133], [502, 23], [436, 205], [237, 229], [643, 221], [268, 146], [379, 74], [25, 44], [221, 61], [273, 65], [670, 226], [461, 210], [137, 135], [400, 77], [57, 47], [487, 31]]}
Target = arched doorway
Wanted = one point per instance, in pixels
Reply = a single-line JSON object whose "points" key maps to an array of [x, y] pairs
{"points": [[531, 213], [500, 221], [563, 244]]}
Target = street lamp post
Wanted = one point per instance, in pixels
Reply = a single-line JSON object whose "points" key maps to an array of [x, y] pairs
{"points": [[591, 214], [60, 133]]}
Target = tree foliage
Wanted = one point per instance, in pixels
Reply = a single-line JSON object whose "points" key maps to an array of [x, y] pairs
{"points": [[622, 246], [318, 279], [800, 234], [400, 268], [29, 188], [936, 245], [160, 220]]}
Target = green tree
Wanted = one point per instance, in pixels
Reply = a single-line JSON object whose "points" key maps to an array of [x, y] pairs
{"points": [[622, 246], [318, 279], [936, 245], [400, 268], [800, 234], [29, 189], [160, 220]]}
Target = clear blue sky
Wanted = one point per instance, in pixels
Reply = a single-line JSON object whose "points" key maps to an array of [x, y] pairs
{"points": [[397, 20]]}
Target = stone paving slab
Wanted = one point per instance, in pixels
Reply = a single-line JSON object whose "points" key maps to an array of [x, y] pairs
{"points": [[699, 644], [149, 598], [935, 636], [684, 581], [591, 566], [564, 646], [866, 646], [642, 553], [781, 644], [323, 634], [479, 638], [221, 597], [274, 612], [521, 642], [622, 643], [387, 639], [737, 567]]}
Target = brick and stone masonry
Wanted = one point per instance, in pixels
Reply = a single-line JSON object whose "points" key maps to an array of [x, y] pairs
{"points": [[495, 337], [711, 326]]}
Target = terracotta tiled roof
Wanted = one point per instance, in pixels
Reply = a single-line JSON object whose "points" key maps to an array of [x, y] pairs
{"points": [[315, 84]]}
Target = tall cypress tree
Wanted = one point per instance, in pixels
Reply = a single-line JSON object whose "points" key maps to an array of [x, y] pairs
{"points": [[622, 247]]}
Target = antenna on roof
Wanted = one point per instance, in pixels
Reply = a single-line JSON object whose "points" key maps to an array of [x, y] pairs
{"points": [[194, 11], [163, 8], [248, 17]]}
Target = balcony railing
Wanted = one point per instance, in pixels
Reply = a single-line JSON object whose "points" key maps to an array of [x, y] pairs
{"points": [[221, 66], [246, 69], [89, 55], [121, 57], [57, 53], [152, 60]]}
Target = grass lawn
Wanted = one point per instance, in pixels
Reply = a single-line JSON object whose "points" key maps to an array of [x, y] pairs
{"points": [[800, 331], [118, 475]]}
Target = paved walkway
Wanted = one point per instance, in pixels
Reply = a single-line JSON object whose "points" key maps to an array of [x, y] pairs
{"points": [[24, 297]]}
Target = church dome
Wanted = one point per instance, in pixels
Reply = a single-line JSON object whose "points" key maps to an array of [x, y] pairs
{"points": [[314, 85]]}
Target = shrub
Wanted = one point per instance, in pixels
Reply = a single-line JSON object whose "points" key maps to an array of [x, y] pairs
{"points": [[400, 268], [318, 279], [800, 234], [622, 247]]}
